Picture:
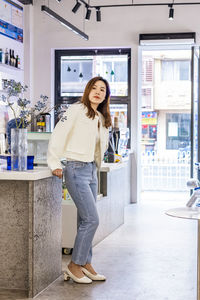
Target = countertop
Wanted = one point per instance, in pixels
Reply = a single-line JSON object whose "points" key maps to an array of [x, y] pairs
{"points": [[36, 174], [108, 167], [44, 172]]}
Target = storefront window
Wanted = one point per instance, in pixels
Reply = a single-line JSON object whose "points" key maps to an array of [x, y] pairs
{"points": [[75, 67], [178, 131]]}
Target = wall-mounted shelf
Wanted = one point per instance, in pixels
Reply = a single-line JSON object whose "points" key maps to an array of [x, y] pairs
{"points": [[10, 67]]}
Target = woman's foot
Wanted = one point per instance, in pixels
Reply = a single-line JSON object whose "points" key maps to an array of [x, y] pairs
{"points": [[75, 272], [90, 272], [90, 269]]}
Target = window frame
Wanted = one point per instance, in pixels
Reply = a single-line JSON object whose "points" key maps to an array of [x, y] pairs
{"points": [[58, 100], [175, 61]]}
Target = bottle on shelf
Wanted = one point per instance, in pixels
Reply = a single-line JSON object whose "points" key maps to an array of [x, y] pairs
{"points": [[19, 63], [13, 59], [16, 61], [10, 57], [6, 57], [1, 55]]}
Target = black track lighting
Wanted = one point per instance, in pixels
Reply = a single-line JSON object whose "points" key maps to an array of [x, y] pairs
{"points": [[64, 22], [171, 12], [76, 7], [98, 14], [88, 13], [99, 7]]}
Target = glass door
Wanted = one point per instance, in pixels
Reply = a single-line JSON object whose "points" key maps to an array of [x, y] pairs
{"points": [[195, 114]]}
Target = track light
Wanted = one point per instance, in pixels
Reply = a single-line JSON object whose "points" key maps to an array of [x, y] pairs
{"points": [[58, 1], [88, 13], [98, 14], [76, 7], [64, 22], [171, 12]]}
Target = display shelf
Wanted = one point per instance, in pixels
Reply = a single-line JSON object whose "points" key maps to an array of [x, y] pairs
{"points": [[10, 67]]}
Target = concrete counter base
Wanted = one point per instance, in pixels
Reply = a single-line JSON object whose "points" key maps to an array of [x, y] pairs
{"points": [[30, 230]]}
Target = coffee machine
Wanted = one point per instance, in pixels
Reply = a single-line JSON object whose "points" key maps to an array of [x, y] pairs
{"points": [[43, 122]]}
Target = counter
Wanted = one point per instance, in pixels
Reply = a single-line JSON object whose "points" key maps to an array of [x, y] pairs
{"points": [[31, 222], [36, 174], [30, 230], [114, 195]]}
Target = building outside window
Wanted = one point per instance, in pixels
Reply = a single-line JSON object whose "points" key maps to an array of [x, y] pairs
{"points": [[165, 119], [175, 70], [178, 131]]}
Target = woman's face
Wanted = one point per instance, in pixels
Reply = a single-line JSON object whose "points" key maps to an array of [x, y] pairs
{"points": [[98, 93]]}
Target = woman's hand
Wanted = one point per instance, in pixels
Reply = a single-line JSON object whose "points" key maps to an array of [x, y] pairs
{"points": [[57, 172]]}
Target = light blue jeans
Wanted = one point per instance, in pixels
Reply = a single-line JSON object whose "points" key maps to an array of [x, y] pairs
{"points": [[81, 182]]}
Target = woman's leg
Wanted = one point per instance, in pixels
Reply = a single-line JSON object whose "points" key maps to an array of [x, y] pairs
{"points": [[78, 177], [93, 187]]}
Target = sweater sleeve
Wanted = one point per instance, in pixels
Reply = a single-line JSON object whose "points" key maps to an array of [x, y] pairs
{"points": [[59, 137]]}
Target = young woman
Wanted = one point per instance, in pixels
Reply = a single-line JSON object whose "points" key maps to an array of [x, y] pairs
{"points": [[82, 138]]}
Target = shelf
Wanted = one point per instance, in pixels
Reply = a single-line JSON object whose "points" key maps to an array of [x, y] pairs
{"points": [[10, 67]]}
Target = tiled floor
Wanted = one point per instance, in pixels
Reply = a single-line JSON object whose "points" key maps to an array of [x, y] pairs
{"points": [[151, 257]]}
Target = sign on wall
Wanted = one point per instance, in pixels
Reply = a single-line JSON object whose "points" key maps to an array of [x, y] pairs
{"points": [[11, 20], [149, 118]]}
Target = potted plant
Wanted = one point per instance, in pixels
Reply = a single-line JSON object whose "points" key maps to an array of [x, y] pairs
{"points": [[23, 114]]}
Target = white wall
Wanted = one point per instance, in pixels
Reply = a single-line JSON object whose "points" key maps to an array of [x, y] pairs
{"points": [[120, 27], [18, 47]]}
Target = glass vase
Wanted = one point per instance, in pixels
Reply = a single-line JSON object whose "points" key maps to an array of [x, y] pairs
{"points": [[19, 149]]}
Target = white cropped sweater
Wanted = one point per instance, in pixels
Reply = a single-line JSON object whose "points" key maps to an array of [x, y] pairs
{"points": [[75, 138]]}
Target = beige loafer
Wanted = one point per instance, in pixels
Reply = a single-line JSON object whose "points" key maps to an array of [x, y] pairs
{"points": [[92, 276], [69, 275]]}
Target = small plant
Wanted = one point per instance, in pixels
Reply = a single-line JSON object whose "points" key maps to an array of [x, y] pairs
{"points": [[23, 112]]}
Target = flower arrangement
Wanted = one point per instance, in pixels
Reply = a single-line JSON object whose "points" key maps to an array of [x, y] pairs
{"points": [[21, 108]]}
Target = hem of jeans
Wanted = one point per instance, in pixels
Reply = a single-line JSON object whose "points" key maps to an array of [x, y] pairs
{"points": [[78, 262]]}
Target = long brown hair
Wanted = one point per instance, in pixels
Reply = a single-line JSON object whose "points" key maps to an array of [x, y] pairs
{"points": [[103, 106]]}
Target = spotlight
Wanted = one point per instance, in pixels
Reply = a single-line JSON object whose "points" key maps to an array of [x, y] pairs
{"points": [[98, 14], [58, 1], [76, 7], [88, 13], [171, 12]]}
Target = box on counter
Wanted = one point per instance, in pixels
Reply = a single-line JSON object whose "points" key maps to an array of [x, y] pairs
{"points": [[5, 162]]}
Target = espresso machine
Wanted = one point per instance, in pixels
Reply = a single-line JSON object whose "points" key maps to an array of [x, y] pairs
{"points": [[43, 122]]}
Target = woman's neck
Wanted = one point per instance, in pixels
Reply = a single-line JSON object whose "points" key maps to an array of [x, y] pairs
{"points": [[94, 106]]}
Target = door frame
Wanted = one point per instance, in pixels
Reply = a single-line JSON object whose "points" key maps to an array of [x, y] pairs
{"points": [[152, 47], [195, 55]]}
